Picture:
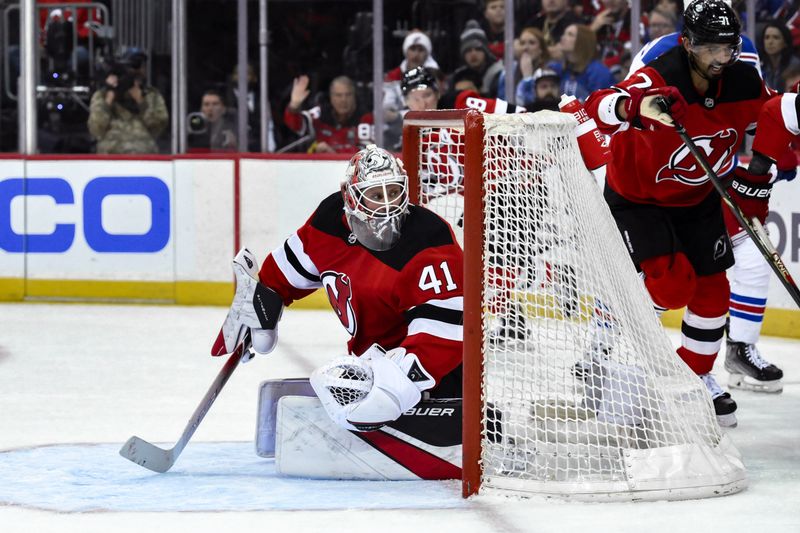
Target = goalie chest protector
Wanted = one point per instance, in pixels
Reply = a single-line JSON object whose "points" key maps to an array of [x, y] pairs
{"points": [[377, 295]]}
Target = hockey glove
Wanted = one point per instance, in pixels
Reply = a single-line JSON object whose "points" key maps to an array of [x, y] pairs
{"points": [[364, 393], [255, 307], [399, 380], [751, 193], [643, 109]]}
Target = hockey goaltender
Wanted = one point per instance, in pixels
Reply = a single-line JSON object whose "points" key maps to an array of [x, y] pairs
{"points": [[390, 408]]}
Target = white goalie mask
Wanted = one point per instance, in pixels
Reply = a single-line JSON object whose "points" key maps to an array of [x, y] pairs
{"points": [[375, 192]]}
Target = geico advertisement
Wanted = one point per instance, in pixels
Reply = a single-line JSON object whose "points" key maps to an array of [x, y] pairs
{"points": [[89, 219]]}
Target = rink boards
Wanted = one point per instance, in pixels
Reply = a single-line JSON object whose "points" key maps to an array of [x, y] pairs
{"points": [[164, 229]]}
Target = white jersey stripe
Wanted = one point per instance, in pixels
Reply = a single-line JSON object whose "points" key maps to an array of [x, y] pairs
{"points": [[436, 328], [789, 113], [295, 278], [456, 303]]}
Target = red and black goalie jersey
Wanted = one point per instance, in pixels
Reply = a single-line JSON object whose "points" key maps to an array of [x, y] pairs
{"points": [[656, 167], [410, 295]]}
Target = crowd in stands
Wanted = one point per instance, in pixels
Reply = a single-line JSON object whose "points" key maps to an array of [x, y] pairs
{"points": [[570, 47], [325, 106]]}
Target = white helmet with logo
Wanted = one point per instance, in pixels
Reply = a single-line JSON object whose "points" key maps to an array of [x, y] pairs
{"points": [[375, 191]]}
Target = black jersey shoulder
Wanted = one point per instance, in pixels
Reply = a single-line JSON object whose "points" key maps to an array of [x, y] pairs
{"points": [[739, 81], [328, 218], [422, 229]]}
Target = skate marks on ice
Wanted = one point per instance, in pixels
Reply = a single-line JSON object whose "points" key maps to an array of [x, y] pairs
{"points": [[218, 476]]}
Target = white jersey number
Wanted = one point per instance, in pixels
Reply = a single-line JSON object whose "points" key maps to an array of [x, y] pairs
{"points": [[429, 280]]}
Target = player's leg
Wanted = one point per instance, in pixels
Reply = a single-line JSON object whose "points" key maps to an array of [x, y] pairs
{"points": [[750, 277], [705, 240]]}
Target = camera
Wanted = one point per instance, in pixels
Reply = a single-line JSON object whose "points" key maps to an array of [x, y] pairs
{"points": [[128, 70], [196, 123]]}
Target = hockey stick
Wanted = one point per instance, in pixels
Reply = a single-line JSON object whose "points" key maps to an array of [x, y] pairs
{"points": [[160, 460], [753, 226]]}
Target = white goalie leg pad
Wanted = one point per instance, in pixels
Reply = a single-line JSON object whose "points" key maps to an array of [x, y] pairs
{"points": [[254, 306], [309, 444], [269, 392]]}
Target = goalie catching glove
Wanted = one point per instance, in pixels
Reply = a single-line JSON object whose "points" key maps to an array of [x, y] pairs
{"points": [[254, 307], [367, 392], [654, 108]]}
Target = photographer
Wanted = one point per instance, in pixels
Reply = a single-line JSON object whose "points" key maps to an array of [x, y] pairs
{"points": [[126, 116], [213, 128]]}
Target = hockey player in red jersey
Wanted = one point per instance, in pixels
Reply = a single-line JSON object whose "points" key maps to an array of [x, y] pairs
{"points": [[392, 272], [664, 204]]}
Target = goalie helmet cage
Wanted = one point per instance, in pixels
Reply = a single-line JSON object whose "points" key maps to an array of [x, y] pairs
{"points": [[571, 387]]}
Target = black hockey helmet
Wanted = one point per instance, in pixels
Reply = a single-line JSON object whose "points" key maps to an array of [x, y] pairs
{"points": [[711, 21], [418, 78]]}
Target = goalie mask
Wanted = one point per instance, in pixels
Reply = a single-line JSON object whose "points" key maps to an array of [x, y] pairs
{"points": [[375, 192]]}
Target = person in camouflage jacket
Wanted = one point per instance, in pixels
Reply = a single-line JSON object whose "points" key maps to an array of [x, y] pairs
{"points": [[127, 120]]}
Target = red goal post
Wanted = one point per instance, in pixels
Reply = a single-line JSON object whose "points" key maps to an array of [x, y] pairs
{"points": [[471, 121], [571, 387]]}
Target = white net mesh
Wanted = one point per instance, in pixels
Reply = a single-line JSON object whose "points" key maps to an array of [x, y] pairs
{"points": [[583, 392]]}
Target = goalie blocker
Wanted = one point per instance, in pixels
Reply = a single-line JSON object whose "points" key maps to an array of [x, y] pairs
{"points": [[294, 427]]}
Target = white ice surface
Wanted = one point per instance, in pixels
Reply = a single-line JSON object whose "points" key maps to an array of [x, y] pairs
{"points": [[77, 380]]}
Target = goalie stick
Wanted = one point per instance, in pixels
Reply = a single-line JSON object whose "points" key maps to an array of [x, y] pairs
{"points": [[753, 227], [160, 460]]}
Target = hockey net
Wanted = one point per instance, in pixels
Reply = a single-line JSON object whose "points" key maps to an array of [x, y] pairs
{"points": [[571, 386]]}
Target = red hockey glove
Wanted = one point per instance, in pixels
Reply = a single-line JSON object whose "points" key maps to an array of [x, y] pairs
{"points": [[751, 193], [644, 112]]}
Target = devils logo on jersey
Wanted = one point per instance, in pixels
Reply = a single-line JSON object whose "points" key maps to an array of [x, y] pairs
{"points": [[717, 148], [340, 294]]}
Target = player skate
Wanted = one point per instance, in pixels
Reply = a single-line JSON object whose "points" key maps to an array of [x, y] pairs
{"points": [[749, 371], [724, 406]]}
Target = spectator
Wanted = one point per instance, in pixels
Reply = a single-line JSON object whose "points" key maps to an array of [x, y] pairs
{"points": [[547, 87], [338, 125], [493, 25], [554, 18], [478, 58], [417, 52], [126, 116], [531, 55], [612, 27], [214, 127], [660, 23], [775, 50], [580, 72]]}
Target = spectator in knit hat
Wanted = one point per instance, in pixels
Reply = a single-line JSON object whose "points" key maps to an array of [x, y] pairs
{"points": [[417, 50], [477, 57]]}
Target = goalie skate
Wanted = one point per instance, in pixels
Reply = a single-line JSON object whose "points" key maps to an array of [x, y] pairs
{"points": [[749, 371]]}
